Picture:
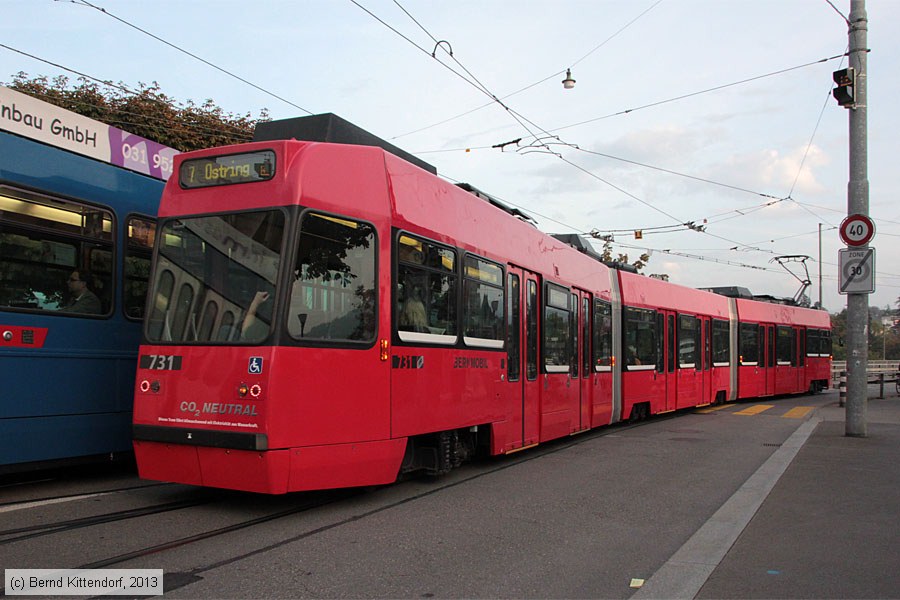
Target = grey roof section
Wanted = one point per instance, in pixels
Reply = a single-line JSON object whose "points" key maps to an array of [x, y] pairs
{"points": [[330, 128]]}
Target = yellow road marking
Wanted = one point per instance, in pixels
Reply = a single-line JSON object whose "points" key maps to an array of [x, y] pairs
{"points": [[755, 410], [798, 412], [704, 411]]}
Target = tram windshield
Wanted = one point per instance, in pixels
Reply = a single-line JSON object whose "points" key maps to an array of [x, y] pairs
{"points": [[332, 298], [216, 277]]}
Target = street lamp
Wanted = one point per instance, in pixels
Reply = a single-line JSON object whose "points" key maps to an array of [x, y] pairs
{"points": [[568, 82]]}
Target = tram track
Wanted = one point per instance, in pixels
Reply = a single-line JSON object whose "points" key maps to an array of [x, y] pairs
{"points": [[30, 502], [20, 534], [307, 502], [325, 498]]}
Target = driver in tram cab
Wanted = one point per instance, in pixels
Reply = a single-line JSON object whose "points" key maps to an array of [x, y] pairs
{"points": [[83, 301]]}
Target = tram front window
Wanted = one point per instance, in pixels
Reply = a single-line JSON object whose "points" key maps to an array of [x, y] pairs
{"points": [[215, 278], [333, 293]]}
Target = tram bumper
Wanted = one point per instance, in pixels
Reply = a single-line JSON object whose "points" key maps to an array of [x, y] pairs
{"points": [[273, 471], [249, 471]]}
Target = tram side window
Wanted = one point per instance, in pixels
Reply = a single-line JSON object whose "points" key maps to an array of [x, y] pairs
{"points": [[425, 292], [661, 343], [640, 336], [140, 235], [825, 348], [688, 337], [586, 335], [557, 330], [573, 335], [333, 297], [748, 339], [602, 335], [483, 293], [43, 241], [802, 346], [531, 330], [721, 343], [812, 342], [513, 330], [784, 345]]}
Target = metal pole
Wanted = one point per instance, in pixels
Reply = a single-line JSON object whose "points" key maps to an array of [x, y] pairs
{"points": [[857, 203], [821, 301]]}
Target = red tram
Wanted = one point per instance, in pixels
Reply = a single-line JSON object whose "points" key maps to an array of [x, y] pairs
{"points": [[330, 315]]}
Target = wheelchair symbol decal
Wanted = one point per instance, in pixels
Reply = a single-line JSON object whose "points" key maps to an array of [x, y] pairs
{"points": [[255, 366]]}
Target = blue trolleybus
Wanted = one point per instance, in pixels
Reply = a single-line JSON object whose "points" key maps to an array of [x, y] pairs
{"points": [[77, 224]]}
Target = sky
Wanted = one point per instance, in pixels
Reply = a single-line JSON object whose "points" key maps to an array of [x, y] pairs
{"points": [[716, 113]]}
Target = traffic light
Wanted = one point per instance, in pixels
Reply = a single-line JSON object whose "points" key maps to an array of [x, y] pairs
{"points": [[845, 92]]}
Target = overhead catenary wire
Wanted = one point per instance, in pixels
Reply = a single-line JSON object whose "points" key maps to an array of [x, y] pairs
{"points": [[191, 54], [542, 145], [697, 93], [110, 84], [536, 83], [745, 190]]}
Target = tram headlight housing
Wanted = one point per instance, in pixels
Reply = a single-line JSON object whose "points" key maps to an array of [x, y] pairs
{"points": [[246, 389], [150, 386]]}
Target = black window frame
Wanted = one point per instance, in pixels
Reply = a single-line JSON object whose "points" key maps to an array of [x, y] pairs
{"points": [[721, 342], [639, 352], [689, 333], [513, 326], [93, 249], [557, 320], [532, 329], [368, 297], [142, 256], [453, 308], [784, 345], [603, 335], [496, 342]]}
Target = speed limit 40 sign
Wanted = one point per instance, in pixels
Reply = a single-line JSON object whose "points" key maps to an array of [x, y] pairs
{"points": [[857, 230]]}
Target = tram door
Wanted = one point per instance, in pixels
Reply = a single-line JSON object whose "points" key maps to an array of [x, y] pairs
{"points": [[706, 394], [523, 307], [589, 378], [667, 366], [770, 360]]}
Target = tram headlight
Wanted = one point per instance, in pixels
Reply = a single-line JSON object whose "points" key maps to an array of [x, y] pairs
{"points": [[255, 390], [150, 386], [243, 390]]}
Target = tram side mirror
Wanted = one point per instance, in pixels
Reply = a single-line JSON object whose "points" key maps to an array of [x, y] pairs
{"points": [[302, 317]]}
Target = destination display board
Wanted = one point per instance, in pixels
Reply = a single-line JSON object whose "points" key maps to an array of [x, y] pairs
{"points": [[227, 169]]}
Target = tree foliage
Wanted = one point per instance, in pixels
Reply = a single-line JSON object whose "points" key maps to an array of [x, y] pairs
{"points": [[148, 112], [883, 338]]}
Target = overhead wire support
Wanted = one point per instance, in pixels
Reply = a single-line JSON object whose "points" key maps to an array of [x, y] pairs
{"points": [[529, 86], [472, 80], [705, 91], [805, 282], [538, 145]]}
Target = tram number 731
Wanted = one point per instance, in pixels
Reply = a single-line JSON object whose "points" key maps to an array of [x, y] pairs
{"points": [[161, 362]]}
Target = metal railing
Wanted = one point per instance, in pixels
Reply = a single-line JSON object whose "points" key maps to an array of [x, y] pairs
{"points": [[874, 368], [878, 372]]}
